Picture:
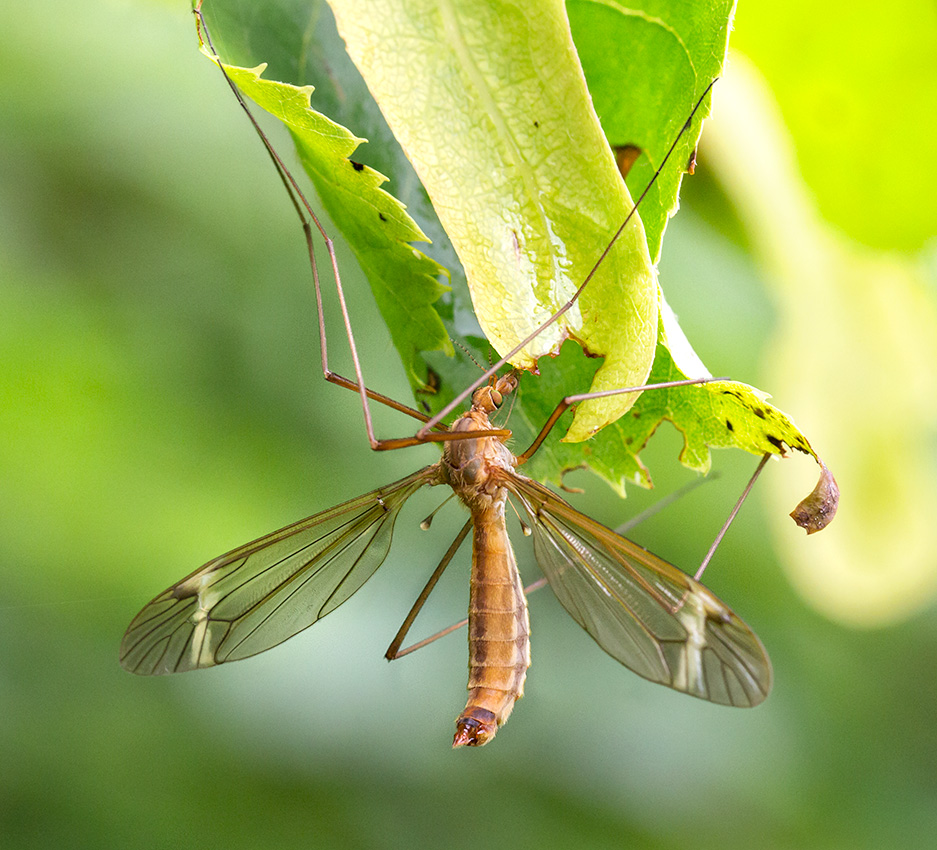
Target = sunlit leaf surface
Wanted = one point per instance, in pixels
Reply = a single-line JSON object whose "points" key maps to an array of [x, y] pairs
{"points": [[703, 424], [509, 148]]}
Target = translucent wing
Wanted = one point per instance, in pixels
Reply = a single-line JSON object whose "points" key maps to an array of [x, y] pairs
{"points": [[642, 611], [264, 592]]}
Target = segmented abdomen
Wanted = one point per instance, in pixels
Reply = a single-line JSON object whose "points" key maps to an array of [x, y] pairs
{"points": [[499, 629]]}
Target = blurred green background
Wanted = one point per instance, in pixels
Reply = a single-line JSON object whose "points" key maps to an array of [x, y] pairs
{"points": [[160, 403]]}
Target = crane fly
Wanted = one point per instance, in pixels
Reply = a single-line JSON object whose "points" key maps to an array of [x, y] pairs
{"points": [[641, 610], [647, 614]]}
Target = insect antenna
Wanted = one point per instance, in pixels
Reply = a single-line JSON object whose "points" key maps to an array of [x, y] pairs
{"points": [[468, 353], [503, 416]]}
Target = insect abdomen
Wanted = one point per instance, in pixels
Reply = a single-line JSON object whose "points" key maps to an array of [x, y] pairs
{"points": [[499, 644]]}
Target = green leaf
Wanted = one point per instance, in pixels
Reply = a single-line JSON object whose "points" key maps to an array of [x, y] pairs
{"points": [[644, 91], [518, 131], [488, 102], [718, 414]]}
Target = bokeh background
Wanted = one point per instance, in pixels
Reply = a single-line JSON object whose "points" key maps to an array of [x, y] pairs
{"points": [[160, 403]]}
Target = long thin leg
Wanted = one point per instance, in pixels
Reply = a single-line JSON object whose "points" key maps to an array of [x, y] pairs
{"points": [[732, 516], [575, 399], [393, 650], [307, 215], [534, 585], [660, 504]]}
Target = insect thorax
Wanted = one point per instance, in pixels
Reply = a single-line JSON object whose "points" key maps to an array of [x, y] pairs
{"points": [[469, 464]]}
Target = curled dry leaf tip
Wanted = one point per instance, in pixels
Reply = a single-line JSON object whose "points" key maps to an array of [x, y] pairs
{"points": [[817, 510]]}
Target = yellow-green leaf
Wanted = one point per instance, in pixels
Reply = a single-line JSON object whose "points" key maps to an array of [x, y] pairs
{"points": [[490, 105]]}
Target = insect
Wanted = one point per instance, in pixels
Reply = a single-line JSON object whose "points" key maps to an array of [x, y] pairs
{"points": [[644, 612]]}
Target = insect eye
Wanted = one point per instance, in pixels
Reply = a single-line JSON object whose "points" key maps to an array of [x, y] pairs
{"points": [[506, 384]]}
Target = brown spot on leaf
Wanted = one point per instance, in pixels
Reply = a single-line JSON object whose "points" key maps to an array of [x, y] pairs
{"points": [[433, 382], [563, 474], [625, 157], [356, 165], [691, 163]]}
